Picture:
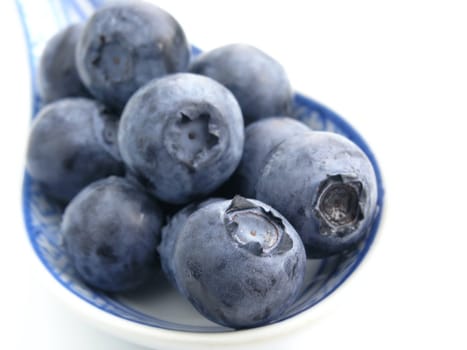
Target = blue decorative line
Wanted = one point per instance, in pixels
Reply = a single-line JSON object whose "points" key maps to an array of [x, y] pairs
{"points": [[96, 3], [32, 68], [79, 11], [65, 8], [195, 51]]}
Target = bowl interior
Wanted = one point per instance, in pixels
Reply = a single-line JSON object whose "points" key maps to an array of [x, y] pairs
{"points": [[158, 304]]}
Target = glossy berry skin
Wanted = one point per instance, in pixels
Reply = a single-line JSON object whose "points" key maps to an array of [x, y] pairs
{"points": [[239, 262], [72, 143], [58, 76], [325, 186], [170, 233], [261, 138], [182, 136], [124, 46], [111, 230], [258, 82]]}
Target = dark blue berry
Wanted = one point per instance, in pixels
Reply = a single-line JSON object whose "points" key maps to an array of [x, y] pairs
{"points": [[259, 83], [111, 230], [124, 46], [72, 143], [58, 76], [325, 186], [239, 262], [182, 135]]}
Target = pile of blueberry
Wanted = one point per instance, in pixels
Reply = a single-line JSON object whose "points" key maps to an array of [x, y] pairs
{"points": [[140, 141]]}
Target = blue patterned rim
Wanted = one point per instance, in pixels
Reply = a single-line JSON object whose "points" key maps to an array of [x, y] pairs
{"points": [[42, 216]]}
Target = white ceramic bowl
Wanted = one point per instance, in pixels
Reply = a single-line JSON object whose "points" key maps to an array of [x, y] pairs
{"points": [[160, 317]]}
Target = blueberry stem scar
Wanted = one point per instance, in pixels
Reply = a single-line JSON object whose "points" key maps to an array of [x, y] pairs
{"points": [[255, 229], [338, 205], [192, 138]]}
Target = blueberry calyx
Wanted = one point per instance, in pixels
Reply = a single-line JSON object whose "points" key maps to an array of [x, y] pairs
{"points": [[115, 60], [257, 230], [193, 137], [338, 205]]}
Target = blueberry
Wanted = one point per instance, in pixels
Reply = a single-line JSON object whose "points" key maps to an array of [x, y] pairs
{"points": [[239, 262], [182, 135], [111, 230], [259, 83], [58, 76], [325, 186], [72, 143], [261, 138], [124, 46], [170, 233]]}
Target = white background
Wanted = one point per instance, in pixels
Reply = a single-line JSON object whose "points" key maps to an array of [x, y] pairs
{"points": [[397, 70]]}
